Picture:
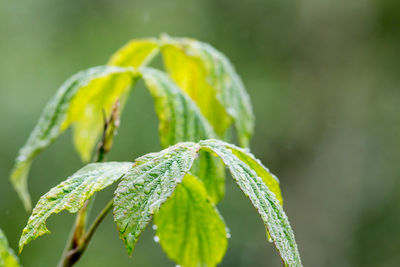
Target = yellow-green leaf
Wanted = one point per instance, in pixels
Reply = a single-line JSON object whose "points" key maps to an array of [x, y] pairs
{"points": [[189, 227], [263, 172], [147, 186], [7, 255], [211, 171], [262, 198], [80, 101], [71, 195], [191, 76], [91, 103], [136, 53], [181, 120], [211, 80]]}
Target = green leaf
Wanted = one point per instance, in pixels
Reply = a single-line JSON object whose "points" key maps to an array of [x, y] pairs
{"points": [[263, 172], [147, 186], [7, 256], [191, 76], [262, 198], [136, 53], [211, 171], [91, 103], [189, 227], [71, 195], [81, 101], [211, 80], [181, 120]]}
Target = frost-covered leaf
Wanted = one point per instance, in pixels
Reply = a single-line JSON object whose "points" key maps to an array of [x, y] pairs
{"points": [[212, 82], [181, 120], [136, 53], [189, 227], [71, 194], [7, 255], [79, 101], [262, 198], [147, 186]]}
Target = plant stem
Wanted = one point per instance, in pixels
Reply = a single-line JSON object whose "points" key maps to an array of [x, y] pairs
{"points": [[79, 238], [73, 255], [97, 222], [78, 230]]}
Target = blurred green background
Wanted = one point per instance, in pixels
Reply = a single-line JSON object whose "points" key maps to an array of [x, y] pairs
{"points": [[324, 82]]}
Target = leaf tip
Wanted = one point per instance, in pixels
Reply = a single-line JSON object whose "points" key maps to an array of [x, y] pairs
{"points": [[20, 248], [18, 178]]}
